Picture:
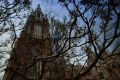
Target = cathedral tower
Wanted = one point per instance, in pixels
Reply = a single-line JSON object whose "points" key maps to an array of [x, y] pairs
{"points": [[34, 42]]}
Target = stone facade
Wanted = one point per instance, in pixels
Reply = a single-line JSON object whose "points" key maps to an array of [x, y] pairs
{"points": [[108, 68]]}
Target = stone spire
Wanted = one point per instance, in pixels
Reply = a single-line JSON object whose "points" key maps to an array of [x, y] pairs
{"points": [[105, 54], [90, 54], [38, 8]]}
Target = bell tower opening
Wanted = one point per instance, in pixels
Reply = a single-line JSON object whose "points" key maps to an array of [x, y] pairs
{"points": [[37, 32]]}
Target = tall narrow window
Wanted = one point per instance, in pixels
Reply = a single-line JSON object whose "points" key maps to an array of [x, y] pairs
{"points": [[37, 33]]}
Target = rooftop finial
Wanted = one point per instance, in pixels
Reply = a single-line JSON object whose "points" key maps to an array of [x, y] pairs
{"points": [[38, 8]]}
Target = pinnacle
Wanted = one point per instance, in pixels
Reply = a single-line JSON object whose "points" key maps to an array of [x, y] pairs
{"points": [[38, 8]]}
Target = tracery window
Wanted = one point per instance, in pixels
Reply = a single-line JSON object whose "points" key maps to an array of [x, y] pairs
{"points": [[37, 32]]}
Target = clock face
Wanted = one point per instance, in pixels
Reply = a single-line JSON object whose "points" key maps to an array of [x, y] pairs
{"points": [[37, 33]]}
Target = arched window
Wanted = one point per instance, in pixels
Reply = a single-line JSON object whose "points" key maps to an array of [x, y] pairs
{"points": [[37, 32]]}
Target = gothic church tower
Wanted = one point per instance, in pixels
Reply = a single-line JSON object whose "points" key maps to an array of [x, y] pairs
{"points": [[34, 42]]}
